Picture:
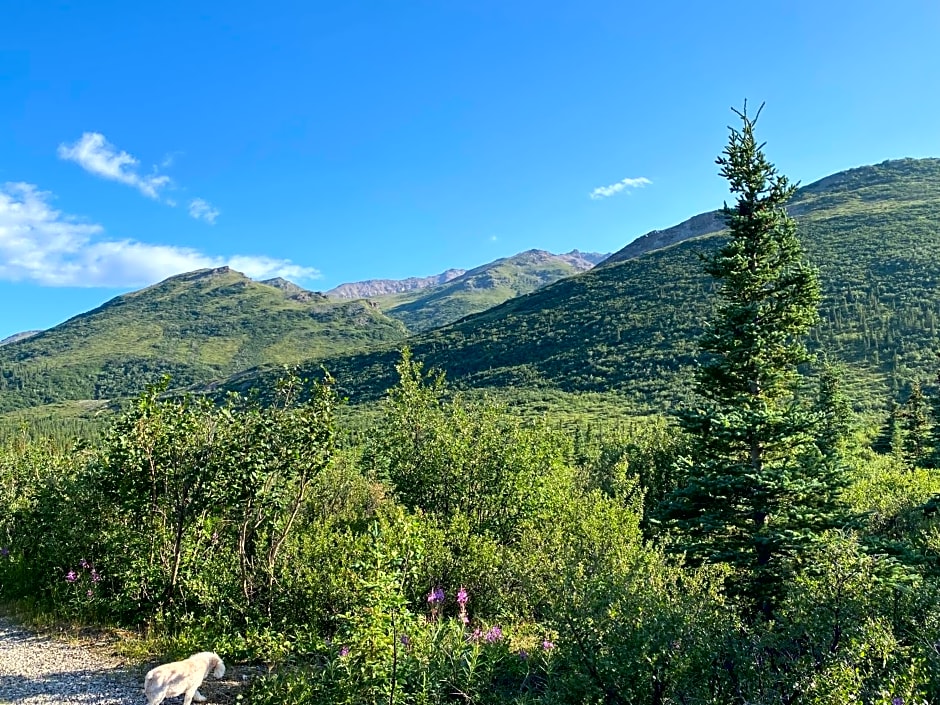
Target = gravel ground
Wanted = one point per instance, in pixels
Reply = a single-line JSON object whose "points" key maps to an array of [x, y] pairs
{"points": [[43, 670], [39, 670]]}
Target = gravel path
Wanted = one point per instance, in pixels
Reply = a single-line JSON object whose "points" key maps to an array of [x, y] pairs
{"points": [[38, 670]]}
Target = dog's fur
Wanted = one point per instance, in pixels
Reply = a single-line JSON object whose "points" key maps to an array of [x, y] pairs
{"points": [[182, 678]]}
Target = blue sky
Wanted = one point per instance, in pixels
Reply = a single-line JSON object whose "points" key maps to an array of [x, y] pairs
{"points": [[334, 142]]}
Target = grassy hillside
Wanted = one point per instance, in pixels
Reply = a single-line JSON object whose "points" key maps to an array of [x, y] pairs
{"points": [[482, 288], [631, 326], [196, 327]]}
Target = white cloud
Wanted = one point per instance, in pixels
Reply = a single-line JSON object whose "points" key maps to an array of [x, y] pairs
{"points": [[628, 183], [41, 245], [98, 156], [201, 209]]}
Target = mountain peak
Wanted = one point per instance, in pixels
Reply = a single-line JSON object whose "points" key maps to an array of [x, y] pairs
{"points": [[379, 287], [19, 336], [293, 291]]}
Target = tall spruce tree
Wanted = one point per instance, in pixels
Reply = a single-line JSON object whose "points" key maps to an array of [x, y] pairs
{"points": [[758, 486], [917, 428]]}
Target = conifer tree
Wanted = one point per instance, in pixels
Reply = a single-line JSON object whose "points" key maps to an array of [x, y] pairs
{"points": [[835, 415], [933, 451], [757, 485], [917, 428]]}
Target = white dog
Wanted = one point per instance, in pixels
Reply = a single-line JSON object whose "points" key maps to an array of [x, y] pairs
{"points": [[182, 678]]}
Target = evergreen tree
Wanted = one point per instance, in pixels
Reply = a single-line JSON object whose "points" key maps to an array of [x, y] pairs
{"points": [[757, 486], [890, 440], [916, 425], [933, 452], [835, 415]]}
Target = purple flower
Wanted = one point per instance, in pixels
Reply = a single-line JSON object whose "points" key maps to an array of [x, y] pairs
{"points": [[494, 634], [405, 640], [476, 635], [344, 652], [4, 552], [897, 701], [71, 576], [524, 655], [436, 595], [462, 597], [547, 645], [95, 576], [90, 593], [83, 563]]}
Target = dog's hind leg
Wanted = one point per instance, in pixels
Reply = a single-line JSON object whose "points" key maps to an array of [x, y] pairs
{"points": [[199, 697]]}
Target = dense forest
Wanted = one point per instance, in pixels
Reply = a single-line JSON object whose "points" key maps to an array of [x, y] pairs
{"points": [[764, 544]]}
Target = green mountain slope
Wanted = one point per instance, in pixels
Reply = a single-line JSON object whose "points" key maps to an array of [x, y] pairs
{"points": [[196, 327], [631, 325], [484, 287]]}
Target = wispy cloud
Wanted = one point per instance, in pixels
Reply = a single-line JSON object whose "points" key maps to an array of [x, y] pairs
{"points": [[98, 156], [622, 185], [42, 245], [201, 209]]}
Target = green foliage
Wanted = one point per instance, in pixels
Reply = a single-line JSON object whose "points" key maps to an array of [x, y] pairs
{"points": [[631, 625], [451, 547], [835, 423], [448, 457], [757, 486], [186, 510], [834, 639], [472, 470], [388, 651], [640, 457], [293, 551]]}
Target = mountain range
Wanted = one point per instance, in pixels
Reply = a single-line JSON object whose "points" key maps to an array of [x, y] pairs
{"points": [[534, 321], [205, 325], [630, 325]]}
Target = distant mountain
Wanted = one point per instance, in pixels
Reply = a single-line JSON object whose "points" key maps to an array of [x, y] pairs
{"points": [[632, 324], [382, 287], [484, 287], [19, 336], [196, 327], [205, 325], [696, 226]]}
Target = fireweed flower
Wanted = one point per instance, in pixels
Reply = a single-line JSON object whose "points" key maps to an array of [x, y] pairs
{"points": [[344, 652], [547, 645], [95, 576], [897, 701], [494, 634], [476, 635], [436, 595], [462, 599], [83, 563], [71, 576], [90, 593]]}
